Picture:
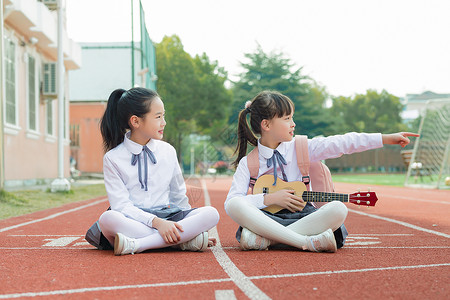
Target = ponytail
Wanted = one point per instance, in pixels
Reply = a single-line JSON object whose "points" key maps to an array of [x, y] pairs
{"points": [[245, 135], [121, 106], [265, 106], [111, 127]]}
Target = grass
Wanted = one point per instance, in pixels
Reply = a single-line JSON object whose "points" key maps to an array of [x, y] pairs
{"points": [[26, 201], [379, 179]]}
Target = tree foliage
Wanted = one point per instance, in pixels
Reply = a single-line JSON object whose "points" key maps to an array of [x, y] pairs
{"points": [[372, 112], [192, 89], [273, 71]]}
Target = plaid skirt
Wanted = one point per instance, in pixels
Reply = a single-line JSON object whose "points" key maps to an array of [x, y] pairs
{"points": [[286, 217]]}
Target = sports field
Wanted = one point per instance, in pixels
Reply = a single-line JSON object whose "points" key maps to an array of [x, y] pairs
{"points": [[398, 249]]}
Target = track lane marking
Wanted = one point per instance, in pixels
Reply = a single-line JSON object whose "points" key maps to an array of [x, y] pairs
{"points": [[351, 271], [401, 223], [54, 215], [225, 295], [414, 199], [168, 284], [239, 279], [225, 248]]}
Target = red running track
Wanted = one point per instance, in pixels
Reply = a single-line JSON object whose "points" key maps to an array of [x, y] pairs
{"points": [[398, 249]]}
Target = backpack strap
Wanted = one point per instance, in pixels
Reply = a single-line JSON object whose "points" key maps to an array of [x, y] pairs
{"points": [[253, 166], [301, 147]]}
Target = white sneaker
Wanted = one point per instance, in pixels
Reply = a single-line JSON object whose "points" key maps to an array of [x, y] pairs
{"points": [[252, 241], [125, 245], [323, 242], [199, 243]]}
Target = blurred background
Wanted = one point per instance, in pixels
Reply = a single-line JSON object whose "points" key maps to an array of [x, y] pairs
{"points": [[365, 66]]}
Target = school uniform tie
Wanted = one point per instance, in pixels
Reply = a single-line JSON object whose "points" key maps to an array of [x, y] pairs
{"points": [[277, 157], [135, 158]]}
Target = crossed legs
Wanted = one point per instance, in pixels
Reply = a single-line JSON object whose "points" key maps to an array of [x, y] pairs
{"points": [[197, 221], [331, 215]]}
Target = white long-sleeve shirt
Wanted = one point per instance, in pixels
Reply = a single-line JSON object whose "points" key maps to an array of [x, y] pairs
{"points": [[165, 180], [319, 148]]}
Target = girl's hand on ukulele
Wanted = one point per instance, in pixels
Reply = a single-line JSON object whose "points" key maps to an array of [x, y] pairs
{"points": [[170, 231], [285, 199], [400, 138]]}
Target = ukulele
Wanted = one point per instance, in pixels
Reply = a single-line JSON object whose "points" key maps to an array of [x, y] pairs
{"points": [[264, 185]]}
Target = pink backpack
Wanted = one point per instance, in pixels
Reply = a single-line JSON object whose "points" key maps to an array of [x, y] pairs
{"points": [[316, 172]]}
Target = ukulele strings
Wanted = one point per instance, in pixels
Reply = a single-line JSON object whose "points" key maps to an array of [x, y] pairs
{"points": [[310, 196]]}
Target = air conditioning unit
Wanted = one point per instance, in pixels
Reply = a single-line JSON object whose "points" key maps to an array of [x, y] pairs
{"points": [[51, 4], [49, 84]]}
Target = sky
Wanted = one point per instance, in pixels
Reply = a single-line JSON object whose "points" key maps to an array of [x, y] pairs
{"points": [[348, 46]]}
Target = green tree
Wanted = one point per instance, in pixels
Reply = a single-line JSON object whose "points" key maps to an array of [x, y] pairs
{"points": [[211, 91], [372, 112], [273, 71], [192, 89]]}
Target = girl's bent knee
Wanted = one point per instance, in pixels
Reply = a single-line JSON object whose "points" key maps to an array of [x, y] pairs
{"points": [[335, 208], [213, 215], [235, 204], [107, 217], [339, 208]]}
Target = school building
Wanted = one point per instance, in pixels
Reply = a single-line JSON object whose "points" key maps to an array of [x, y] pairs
{"points": [[106, 67], [29, 125], [415, 104]]}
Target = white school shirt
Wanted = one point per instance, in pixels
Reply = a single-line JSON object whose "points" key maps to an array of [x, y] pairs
{"points": [[165, 180], [319, 148]]}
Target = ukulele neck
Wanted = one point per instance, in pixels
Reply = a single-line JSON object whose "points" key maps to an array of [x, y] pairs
{"points": [[310, 196]]}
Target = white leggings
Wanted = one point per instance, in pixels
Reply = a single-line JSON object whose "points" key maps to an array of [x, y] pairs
{"points": [[197, 221], [331, 215]]}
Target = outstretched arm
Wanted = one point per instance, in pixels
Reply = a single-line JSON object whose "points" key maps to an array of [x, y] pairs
{"points": [[400, 138]]}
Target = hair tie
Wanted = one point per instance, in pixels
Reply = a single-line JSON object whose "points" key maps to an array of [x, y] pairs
{"points": [[123, 94], [247, 106]]}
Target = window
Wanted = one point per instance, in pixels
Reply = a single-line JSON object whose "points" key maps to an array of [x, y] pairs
{"points": [[32, 94], [10, 82], [49, 109]]}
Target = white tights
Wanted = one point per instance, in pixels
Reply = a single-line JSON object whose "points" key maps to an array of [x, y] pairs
{"points": [[331, 215], [197, 221]]}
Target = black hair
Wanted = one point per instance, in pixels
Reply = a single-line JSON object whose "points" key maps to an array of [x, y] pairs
{"points": [[121, 106], [265, 106]]}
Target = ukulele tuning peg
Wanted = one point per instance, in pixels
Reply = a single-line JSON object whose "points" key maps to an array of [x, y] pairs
{"points": [[368, 189]]}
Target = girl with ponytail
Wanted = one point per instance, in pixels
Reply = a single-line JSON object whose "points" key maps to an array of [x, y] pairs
{"points": [[298, 224], [149, 208]]}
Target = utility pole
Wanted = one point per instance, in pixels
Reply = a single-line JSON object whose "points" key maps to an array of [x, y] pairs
{"points": [[132, 45], [2, 99], [60, 184]]}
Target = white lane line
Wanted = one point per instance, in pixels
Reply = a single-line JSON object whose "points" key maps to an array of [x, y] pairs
{"points": [[225, 248], [51, 248], [110, 288], [60, 242], [401, 223], [183, 283], [400, 247], [351, 271], [236, 275], [380, 234], [225, 295], [53, 216], [28, 235], [414, 199]]}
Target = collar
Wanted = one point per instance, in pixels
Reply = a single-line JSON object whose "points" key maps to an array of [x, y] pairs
{"points": [[136, 148], [267, 152]]}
